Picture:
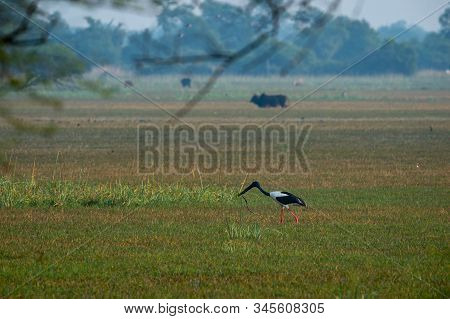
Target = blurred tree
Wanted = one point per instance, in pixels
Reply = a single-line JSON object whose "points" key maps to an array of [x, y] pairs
{"points": [[197, 37], [61, 63], [29, 60], [414, 34], [19, 38], [434, 51], [444, 21], [232, 26], [395, 57], [358, 39], [16, 35], [100, 42]]}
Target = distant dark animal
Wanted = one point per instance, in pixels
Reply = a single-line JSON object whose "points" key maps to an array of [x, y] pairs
{"points": [[128, 83], [265, 100], [186, 82], [255, 100]]}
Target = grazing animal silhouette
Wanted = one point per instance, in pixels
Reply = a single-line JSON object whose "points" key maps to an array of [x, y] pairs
{"points": [[185, 82], [265, 100]]}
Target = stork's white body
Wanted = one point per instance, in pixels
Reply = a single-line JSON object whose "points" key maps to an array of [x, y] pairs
{"points": [[277, 194]]}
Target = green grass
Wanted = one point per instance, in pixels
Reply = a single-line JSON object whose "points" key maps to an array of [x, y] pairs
{"points": [[78, 194], [237, 231], [240, 88], [78, 221], [70, 194], [112, 240], [198, 252]]}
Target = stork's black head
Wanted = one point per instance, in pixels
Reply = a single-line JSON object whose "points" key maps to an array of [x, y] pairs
{"points": [[249, 187]]}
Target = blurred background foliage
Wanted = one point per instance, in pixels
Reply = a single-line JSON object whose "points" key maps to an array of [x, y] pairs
{"points": [[30, 59], [181, 30]]}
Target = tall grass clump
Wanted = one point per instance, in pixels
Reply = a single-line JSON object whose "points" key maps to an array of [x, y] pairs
{"points": [[238, 231], [31, 193]]}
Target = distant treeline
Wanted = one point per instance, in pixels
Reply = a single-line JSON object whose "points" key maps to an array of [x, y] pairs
{"points": [[223, 27]]}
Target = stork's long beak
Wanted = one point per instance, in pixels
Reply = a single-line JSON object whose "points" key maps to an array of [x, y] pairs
{"points": [[246, 190]]}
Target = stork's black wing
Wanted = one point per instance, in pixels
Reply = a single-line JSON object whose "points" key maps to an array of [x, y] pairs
{"points": [[291, 199]]}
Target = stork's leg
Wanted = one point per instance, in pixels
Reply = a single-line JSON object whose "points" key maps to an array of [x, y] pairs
{"points": [[293, 214], [282, 215]]}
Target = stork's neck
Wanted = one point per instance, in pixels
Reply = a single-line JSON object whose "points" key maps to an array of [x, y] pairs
{"points": [[262, 190]]}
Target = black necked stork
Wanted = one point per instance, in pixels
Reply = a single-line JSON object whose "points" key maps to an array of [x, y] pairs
{"points": [[283, 198]]}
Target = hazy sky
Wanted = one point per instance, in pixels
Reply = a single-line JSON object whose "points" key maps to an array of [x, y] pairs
{"points": [[376, 12]]}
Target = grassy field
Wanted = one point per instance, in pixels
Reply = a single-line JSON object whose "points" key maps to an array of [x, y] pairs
{"points": [[77, 220]]}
